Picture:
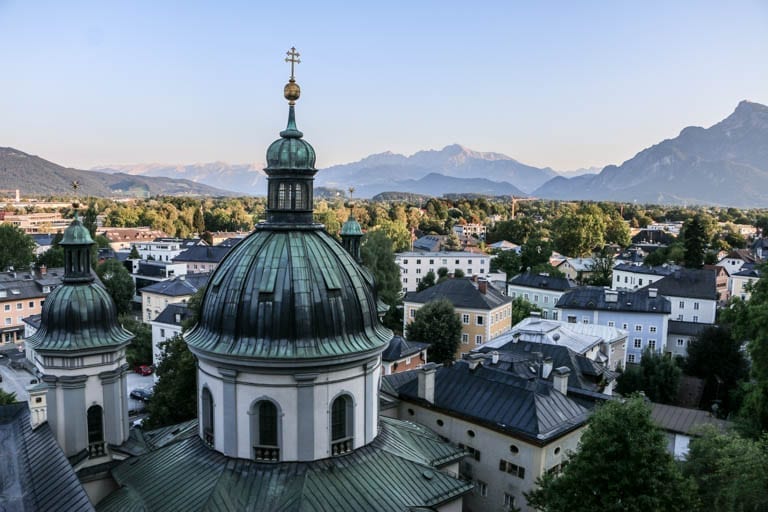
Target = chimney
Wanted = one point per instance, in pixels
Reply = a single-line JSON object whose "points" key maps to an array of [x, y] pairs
{"points": [[494, 357], [38, 407], [653, 292], [546, 368], [475, 359], [482, 286], [426, 382], [560, 380]]}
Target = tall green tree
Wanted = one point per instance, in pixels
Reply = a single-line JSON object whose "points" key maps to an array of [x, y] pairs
{"points": [[602, 270], [175, 396], [535, 252], [378, 256], [717, 357], [694, 241], [89, 218], [198, 221], [656, 376], [731, 472], [621, 441], [617, 232], [139, 351], [117, 280], [17, 249], [521, 309], [579, 234], [452, 243], [438, 324], [427, 281], [507, 262]]}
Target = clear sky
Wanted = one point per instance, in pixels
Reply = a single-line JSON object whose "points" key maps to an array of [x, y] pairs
{"points": [[563, 84]]}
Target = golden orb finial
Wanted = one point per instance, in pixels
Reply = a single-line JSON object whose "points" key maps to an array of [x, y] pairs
{"points": [[292, 91]]}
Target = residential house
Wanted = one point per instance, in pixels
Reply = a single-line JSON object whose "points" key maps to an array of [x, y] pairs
{"points": [[167, 325], [643, 314], [43, 242], [484, 311], [22, 294], [201, 259], [503, 245], [693, 294], [415, 265], [722, 281], [470, 229], [748, 275], [760, 248], [147, 273], [577, 269], [600, 343], [514, 429], [653, 237], [155, 298], [165, 249], [680, 425], [736, 259], [679, 336], [631, 277], [402, 355], [541, 290], [121, 239], [429, 243]]}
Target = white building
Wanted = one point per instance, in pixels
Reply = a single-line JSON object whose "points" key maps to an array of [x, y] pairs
{"points": [[415, 265], [693, 294], [164, 249], [470, 229], [632, 277]]}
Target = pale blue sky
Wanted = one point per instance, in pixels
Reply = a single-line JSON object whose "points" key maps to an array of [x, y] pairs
{"points": [[563, 84]]}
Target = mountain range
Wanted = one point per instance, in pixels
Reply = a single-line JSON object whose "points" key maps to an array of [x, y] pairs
{"points": [[725, 164], [33, 175]]}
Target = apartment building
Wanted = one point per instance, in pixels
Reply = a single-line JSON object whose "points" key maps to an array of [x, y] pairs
{"points": [[22, 294], [415, 265]]}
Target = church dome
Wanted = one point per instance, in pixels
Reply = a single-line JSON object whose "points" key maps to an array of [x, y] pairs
{"points": [[289, 294], [290, 151]]}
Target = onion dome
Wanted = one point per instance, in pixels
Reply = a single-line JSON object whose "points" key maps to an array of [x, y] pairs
{"points": [[289, 291], [351, 235], [79, 315]]}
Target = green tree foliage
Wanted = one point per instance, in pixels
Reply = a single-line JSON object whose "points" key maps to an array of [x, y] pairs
{"points": [[427, 281], [117, 280], [452, 243], [517, 230], [521, 309], [623, 442], [716, 357], [134, 254], [694, 241], [17, 250], [442, 274], [657, 376], [53, 257], [617, 232], [580, 233], [378, 256], [7, 398], [175, 396], [438, 324], [507, 262], [89, 219], [458, 273], [139, 351], [198, 221], [535, 252], [731, 472], [602, 270]]}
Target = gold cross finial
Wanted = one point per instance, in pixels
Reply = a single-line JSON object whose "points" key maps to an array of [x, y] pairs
{"points": [[293, 58]]}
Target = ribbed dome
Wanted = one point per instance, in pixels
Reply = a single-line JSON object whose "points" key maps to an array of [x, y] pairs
{"points": [[76, 234], [79, 317], [351, 227], [290, 151], [289, 294]]}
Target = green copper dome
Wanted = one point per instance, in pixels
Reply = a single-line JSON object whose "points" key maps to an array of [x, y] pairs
{"points": [[290, 151], [351, 227], [76, 234], [79, 316], [289, 294]]}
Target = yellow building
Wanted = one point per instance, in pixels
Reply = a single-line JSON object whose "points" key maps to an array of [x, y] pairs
{"points": [[484, 311]]}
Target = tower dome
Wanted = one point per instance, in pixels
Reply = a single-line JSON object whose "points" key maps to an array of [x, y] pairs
{"points": [[288, 337]]}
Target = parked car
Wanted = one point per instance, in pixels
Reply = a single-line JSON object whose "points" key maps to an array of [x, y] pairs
{"points": [[143, 394], [144, 369]]}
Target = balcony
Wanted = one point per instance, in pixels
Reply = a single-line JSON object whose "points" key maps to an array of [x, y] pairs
{"points": [[341, 446], [266, 453]]}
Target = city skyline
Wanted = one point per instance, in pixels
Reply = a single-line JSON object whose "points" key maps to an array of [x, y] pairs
{"points": [[559, 85]]}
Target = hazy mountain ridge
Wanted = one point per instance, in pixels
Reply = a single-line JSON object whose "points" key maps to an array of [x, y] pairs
{"points": [[436, 185], [33, 175], [725, 164]]}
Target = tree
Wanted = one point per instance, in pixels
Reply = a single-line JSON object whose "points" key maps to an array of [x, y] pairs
{"points": [[716, 357], [89, 219], [117, 280], [452, 243], [694, 241], [535, 252], [438, 324], [139, 351], [507, 262], [731, 471], [17, 250], [7, 398], [134, 254], [521, 309], [427, 281], [175, 396], [198, 221], [602, 270], [621, 441], [578, 234], [378, 256], [458, 273], [657, 376], [617, 232]]}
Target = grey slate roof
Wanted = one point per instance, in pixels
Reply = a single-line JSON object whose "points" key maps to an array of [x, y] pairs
{"points": [[594, 297], [203, 254], [429, 243], [662, 270], [28, 286], [542, 281], [528, 409], [462, 293], [682, 420], [686, 328], [748, 270], [394, 472], [34, 473], [688, 282], [399, 348], [168, 315], [179, 286]]}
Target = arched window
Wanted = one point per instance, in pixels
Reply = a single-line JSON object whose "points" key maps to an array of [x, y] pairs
{"points": [[96, 446], [265, 431], [283, 199], [341, 425], [207, 417], [299, 196]]}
